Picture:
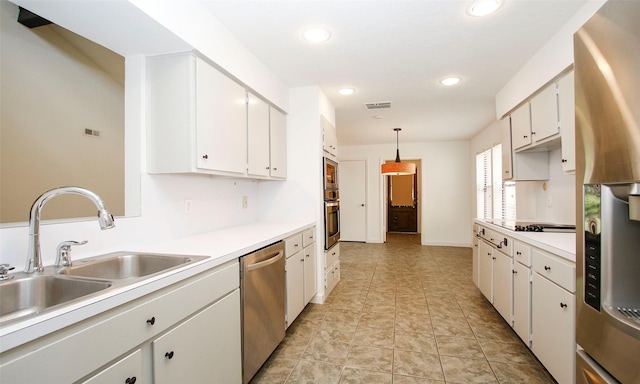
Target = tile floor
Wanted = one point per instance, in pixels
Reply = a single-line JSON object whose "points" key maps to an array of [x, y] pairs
{"points": [[403, 314]]}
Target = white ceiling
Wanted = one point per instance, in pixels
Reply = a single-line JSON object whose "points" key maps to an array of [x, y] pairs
{"points": [[398, 50]]}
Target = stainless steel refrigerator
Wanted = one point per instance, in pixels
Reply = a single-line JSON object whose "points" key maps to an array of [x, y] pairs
{"points": [[607, 84]]}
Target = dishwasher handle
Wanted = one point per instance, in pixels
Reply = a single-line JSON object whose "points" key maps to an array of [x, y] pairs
{"points": [[273, 259]]}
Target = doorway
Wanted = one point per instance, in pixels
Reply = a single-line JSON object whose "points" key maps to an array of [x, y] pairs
{"points": [[403, 213], [353, 184]]}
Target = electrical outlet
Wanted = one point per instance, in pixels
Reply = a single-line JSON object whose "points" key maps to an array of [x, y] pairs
{"points": [[549, 201], [187, 205], [245, 202]]}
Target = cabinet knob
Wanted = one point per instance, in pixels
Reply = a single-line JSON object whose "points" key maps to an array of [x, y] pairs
{"points": [[205, 157], [563, 305], [514, 272], [493, 258], [169, 355], [151, 321], [130, 380], [525, 136], [533, 133], [518, 253], [267, 168], [564, 160], [547, 268]]}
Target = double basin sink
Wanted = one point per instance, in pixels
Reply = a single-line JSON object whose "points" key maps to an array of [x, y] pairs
{"points": [[28, 295]]}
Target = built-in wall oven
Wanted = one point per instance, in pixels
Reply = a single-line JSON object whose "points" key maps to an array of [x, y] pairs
{"points": [[331, 204]]}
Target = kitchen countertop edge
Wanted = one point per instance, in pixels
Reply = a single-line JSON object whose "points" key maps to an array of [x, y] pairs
{"points": [[560, 244], [220, 246]]}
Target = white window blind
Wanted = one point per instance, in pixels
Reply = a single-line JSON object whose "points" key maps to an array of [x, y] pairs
{"points": [[494, 198]]}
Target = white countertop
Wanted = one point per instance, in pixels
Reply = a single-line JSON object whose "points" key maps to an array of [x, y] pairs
{"points": [[220, 246], [561, 244]]}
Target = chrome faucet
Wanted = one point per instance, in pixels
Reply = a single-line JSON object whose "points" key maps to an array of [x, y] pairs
{"points": [[34, 257]]}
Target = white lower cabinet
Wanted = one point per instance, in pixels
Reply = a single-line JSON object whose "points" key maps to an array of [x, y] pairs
{"points": [[191, 352], [87, 350], [553, 314], [535, 293], [502, 284], [522, 302], [485, 270], [301, 267], [127, 370], [331, 269]]}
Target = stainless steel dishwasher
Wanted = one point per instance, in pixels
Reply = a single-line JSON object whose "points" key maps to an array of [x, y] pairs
{"points": [[262, 292]]}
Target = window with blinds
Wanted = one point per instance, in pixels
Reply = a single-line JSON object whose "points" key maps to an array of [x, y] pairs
{"points": [[495, 199]]}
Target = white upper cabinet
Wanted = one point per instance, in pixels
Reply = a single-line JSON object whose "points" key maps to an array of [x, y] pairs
{"points": [[507, 153], [566, 111], [521, 126], [278, 143], [258, 137], [202, 121], [221, 121], [544, 114], [329, 137]]}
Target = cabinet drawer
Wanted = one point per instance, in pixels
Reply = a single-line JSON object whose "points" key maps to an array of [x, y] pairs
{"points": [[331, 255], [308, 236], [292, 244], [553, 268], [64, 355], [128, 368], [522, 253]]}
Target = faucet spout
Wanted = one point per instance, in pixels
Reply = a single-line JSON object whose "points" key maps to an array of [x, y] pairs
{"points": [[34, 257]]}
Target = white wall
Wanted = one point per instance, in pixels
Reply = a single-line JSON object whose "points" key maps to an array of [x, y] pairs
{"points": [[445, 192], [216, 202], [555, 56]]}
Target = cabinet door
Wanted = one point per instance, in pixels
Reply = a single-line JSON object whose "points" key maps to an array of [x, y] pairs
{"points": [[278, 135], [553, 328], [221, 121], [206, 347], [295, 286], [521, 126], [507, 151], [566, 106], [503, 284], [310, 262], [258, 136], [474, 267], [544, 114], [522, 302], [485, 270], [126, 370]]}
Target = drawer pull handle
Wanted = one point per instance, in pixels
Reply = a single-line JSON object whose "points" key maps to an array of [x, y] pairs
{"points": [[169, 355], [563, 305], [546, 268], [152, 320], [131, 380]]}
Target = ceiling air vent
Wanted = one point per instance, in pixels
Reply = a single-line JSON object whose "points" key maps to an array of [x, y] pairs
{"points": [[376, 106]]}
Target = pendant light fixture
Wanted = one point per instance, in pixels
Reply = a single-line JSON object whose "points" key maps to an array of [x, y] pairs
{"points": [[398, 167]]}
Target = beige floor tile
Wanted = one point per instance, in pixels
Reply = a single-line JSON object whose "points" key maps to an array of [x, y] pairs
{"points": [[417, 364], [370, 358], [377, 337], [458, 370], [314, 372], [274, 371], [463, 347], [359, 376], [330, 351], [502, 352], [342, 316], [416, 342], [519, 373], [377, 320], [401, 379]]}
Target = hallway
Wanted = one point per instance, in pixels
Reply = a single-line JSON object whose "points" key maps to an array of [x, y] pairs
{"points": [[402, 314]]}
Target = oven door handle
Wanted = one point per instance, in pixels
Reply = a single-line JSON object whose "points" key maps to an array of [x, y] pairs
{"points": [[332, 204], [274, 258]]}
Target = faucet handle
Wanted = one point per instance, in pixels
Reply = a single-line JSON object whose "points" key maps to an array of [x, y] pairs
{"points": [[63, 254], [4, 271]]}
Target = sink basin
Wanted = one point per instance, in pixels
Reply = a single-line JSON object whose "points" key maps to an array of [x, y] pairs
{"points": [[126, 265], [31, 295]]}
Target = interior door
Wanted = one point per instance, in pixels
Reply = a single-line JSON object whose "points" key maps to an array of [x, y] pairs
{"points": [[353, 183]]}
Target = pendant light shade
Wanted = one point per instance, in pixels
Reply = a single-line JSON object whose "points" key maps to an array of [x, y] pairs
{"points": [[398, 167]]}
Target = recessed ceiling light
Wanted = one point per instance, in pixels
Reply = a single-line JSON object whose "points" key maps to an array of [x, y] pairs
{"points": [[316, 35], [346, 91], [449, 81], [484, 7]]}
